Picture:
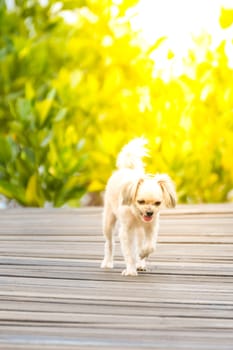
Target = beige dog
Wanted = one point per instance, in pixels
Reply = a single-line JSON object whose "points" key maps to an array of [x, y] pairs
{"points": [[134, 199]]}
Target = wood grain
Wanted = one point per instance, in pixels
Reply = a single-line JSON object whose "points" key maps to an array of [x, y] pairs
{"points": [[53, 294]]}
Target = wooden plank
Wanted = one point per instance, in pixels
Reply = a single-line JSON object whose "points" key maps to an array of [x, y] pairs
{"points": [[53, 295]]}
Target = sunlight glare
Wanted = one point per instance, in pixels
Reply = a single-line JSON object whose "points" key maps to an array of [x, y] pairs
{"points": [[179, 21]]}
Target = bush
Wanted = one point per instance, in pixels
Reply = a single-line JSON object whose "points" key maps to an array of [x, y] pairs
{"points": [[72, 94]]}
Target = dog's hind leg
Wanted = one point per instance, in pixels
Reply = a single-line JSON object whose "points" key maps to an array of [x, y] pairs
{"points": [[109, 221]]}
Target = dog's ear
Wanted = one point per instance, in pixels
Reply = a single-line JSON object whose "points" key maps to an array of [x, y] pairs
{"points": [[129, 191], [168, 188]]}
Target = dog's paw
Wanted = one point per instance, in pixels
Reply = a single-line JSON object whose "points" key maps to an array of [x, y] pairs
{"points": [[129, 272], [141, 269], [106, 264], [141, 265]]}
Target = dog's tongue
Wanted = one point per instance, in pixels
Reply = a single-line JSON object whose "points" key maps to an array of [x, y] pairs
{"points": [[147, 218]]}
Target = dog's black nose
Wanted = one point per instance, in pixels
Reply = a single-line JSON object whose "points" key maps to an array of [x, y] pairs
{"points": [[149, 213]]}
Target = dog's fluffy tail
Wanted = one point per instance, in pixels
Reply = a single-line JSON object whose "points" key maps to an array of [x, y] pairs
{"points": [[132, 153]]}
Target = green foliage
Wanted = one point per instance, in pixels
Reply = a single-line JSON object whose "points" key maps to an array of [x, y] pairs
{"points": [[72, 94]]}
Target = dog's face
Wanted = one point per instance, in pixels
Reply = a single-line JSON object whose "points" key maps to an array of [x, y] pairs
{"points": [[148, 194], [148, 200]]}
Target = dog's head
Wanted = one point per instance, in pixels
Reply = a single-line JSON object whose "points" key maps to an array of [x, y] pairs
{"points": [[147, 194]]}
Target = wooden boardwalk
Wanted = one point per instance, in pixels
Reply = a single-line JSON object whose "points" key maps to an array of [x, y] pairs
{"points": [[53, 295]]}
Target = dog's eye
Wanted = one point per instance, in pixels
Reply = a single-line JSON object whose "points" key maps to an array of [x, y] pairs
{"points": [[157, 203], [141, 201]]}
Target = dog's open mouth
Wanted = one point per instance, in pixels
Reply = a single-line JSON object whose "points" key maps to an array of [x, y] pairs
{"points": [[147, 218]]}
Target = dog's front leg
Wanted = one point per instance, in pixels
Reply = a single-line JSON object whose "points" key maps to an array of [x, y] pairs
{"points": [[150, 242], [141, 263], [128, 246]]}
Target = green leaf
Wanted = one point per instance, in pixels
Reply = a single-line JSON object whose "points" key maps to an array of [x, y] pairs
{"points": [[51, 94], [12, 191], [61, 115], [24, 110], [5, 150]]}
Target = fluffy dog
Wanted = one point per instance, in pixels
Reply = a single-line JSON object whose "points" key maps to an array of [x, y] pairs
{"points": [[134, 199]]}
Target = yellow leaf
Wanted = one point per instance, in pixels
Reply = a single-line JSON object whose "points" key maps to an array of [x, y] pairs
{"points": [[43, 108], [226, 18], [170, 54], [33, 196], [29, 91], [95, 186]]}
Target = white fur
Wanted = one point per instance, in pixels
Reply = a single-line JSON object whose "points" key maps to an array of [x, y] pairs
{"points": [[134, 199]]}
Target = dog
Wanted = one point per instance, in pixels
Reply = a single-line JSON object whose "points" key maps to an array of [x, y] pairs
{"points": [[134, 199]]}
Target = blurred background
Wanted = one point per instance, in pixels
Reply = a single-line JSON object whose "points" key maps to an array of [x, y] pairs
{"points": [[79, 79]]}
